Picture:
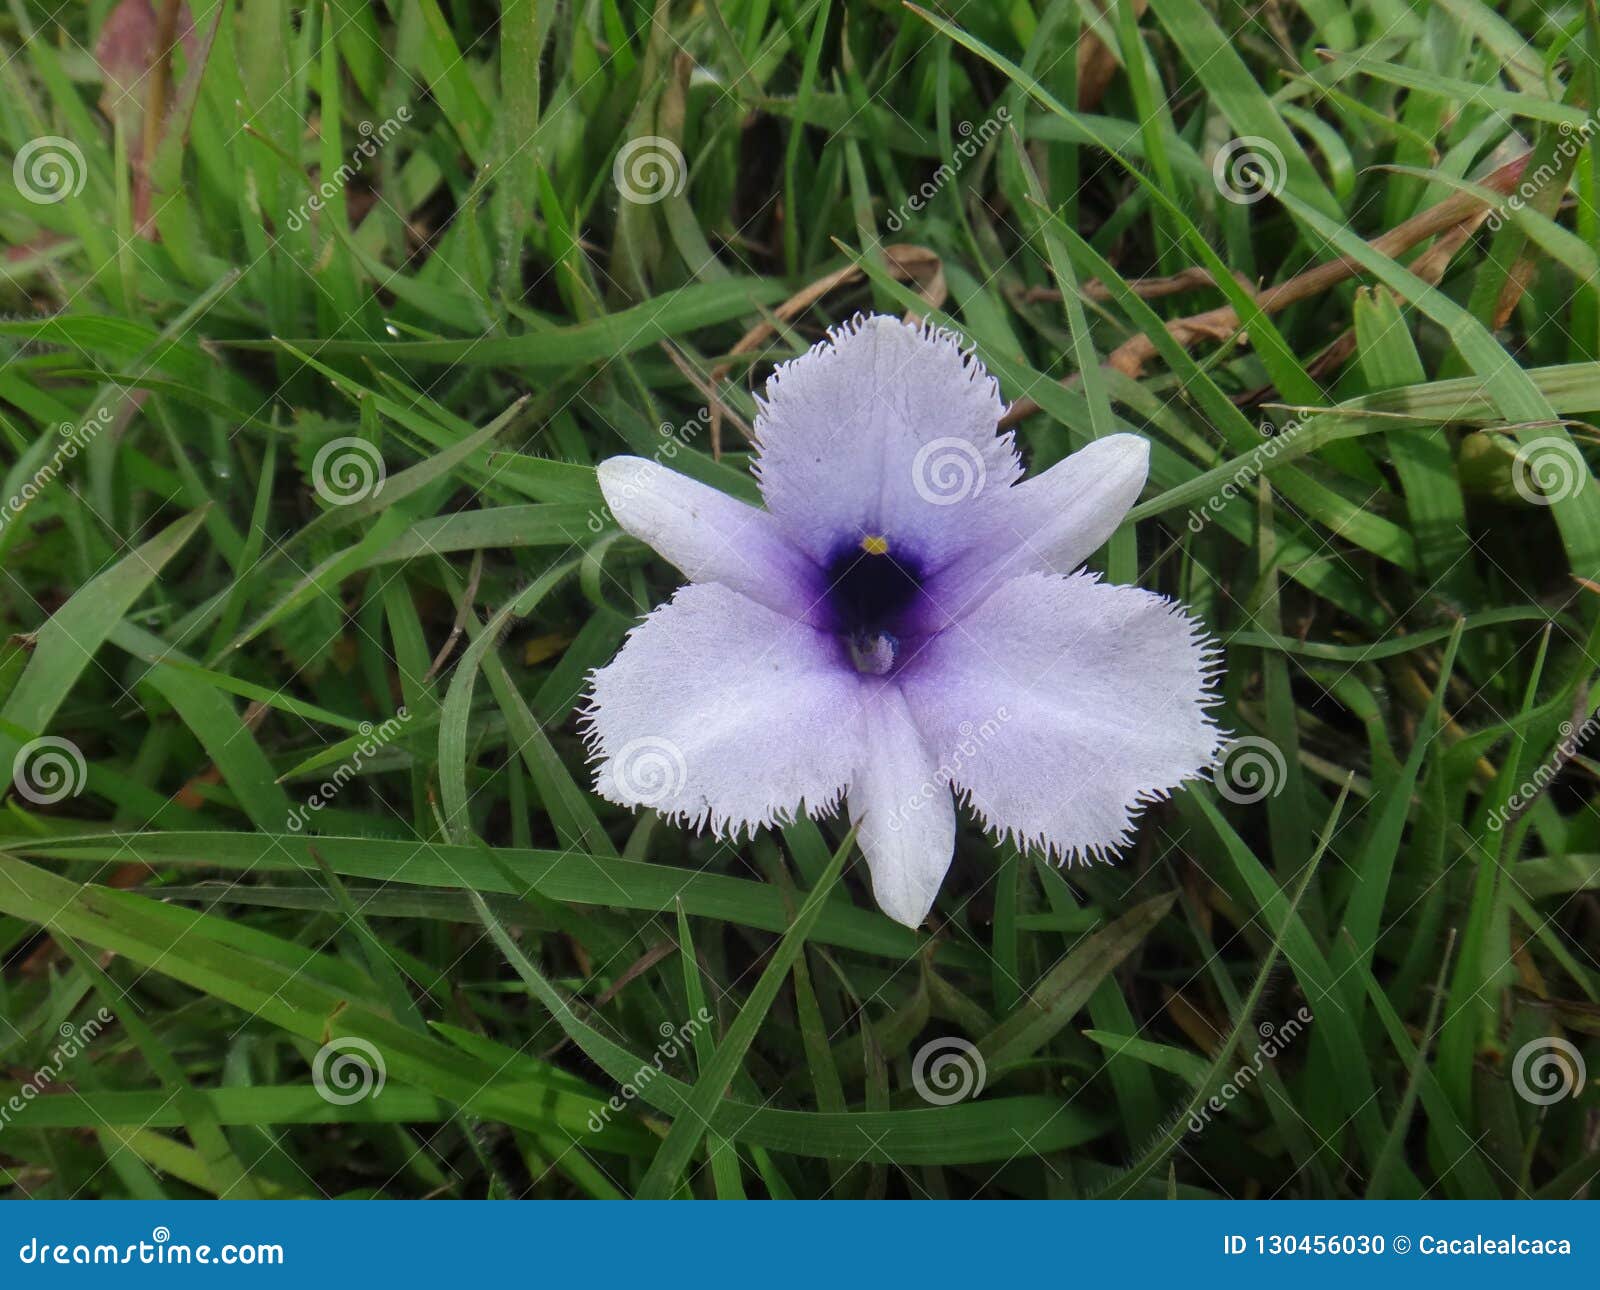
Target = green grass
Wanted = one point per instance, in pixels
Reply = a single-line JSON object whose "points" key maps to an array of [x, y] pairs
{"points": [[387, 239]]}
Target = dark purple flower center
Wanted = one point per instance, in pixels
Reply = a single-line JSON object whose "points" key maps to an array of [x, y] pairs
{"points": [[873, 594]]}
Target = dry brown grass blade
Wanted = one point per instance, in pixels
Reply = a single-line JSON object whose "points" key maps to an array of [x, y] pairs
{"points": [[1155, 288], [1131, 356], [1222, 324], [1429, 266], [1097, 65]]}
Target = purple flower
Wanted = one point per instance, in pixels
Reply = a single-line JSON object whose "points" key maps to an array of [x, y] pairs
{"points": [[899, 626]]}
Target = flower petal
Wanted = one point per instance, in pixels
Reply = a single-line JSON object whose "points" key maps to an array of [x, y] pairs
{"points": [[905, 814], [708, 535], [720, 712], [887, 430], [1062, 705], [1055, 521]]}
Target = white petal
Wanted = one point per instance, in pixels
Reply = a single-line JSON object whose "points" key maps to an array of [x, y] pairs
{"points": [[710, 536], [719, 711], [904, 812], [889, 430], [1056, 520], [1063, 705]]}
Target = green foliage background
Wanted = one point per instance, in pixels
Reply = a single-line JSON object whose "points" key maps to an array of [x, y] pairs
{"points": [[399, 224]]}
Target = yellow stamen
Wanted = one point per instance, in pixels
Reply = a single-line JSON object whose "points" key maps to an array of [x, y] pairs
{"points": [[875, 544]]}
